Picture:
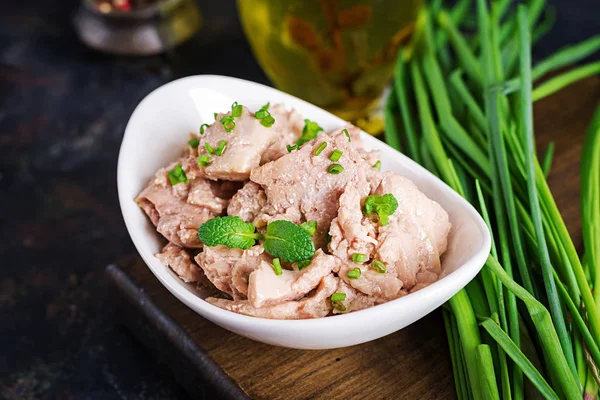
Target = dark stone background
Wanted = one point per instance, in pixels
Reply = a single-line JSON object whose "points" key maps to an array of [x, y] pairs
{"points": [[63, 109]]}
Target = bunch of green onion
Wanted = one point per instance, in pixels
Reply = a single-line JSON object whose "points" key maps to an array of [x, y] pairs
{"points": [[461, 105]]}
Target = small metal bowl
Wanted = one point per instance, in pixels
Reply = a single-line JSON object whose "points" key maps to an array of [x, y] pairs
{"points": [[142, 31]]}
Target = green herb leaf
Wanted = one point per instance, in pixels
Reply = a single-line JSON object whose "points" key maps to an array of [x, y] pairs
{"points": [[194, 143], [209, 148], [277, 266], [303, 264], [288, 242], [177, 175], [310, 227], [383, 206], [232, 232], [310, 131], [236, 109]]}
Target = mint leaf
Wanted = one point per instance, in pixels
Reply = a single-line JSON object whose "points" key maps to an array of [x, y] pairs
{"points": [[288, 241], [232, 232], [383, 206]]}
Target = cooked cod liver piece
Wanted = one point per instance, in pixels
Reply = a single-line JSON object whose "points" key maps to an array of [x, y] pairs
{"points": [[265, 288], [247, 202], [288, 125], [356, 300], [179, 210], [299, 187], [180, 261], [248, 145], [316, 306], [228, 269], [416, 235], [351, 232]]}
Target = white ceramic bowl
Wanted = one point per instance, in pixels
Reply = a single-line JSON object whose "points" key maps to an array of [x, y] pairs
{"points": [[154, 136]]}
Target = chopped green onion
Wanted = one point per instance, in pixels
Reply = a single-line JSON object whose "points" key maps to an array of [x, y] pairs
{"points": [[335, 169], [203, 127], [354, 273], [336, 301], [209, 148], [215, 115], [377, 165], [310, 227], [291, 147], [204, 160], [310, 131], [228, 123], [177, 175], [303, 264], [221, 147], [345, 132], [277, 267], [194, 143], [320, 148], [265, 117], [336, 155], [379, 266], [359, 257], [236, 109]]}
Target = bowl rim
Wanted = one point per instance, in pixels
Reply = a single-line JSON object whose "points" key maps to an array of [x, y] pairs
{"points": [[447, 285]]}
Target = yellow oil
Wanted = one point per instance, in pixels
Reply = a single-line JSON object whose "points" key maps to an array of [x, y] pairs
{"points": [[337, 54]]}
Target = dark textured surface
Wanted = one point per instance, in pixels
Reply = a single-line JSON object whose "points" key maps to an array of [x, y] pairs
{"points": [[63, 109]]}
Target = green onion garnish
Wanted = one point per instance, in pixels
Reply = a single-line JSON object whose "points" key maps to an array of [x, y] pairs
{"points": [[221, 148], [345, 131], [236, 109], [320, 148], [215, 115], [310, 227], [228, 123], [336, 301], [194, 143], [277, 267], [264, 116], [209, 148], [377, 165], [359, 257], [379, 266], [336, 155], [204, 160], [203, 127], [309, 132], [290, 147], [354, 273], [303, 264], [177, 175], [335, 169]]}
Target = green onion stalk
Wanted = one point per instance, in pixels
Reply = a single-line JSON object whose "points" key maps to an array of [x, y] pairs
{"points": [[461, 105]]}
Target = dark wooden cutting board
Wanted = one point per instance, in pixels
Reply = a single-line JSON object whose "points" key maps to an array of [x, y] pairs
{"points": [[412, 363]]}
